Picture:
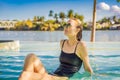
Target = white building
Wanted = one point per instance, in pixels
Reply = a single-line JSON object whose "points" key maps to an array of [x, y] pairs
{"points": [[115, 26], [7, 24]]}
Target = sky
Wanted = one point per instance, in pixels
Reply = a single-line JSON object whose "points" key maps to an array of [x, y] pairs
{"points": [[24, 9]]}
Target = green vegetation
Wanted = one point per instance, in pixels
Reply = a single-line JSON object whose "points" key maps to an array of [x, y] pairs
{"points": [[57, 21], [118, 0]]}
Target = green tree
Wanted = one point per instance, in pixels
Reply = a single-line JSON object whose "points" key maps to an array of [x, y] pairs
{"points": [[108, 19], [115, 19], [80, 17], [35, 19], [104, 20], [29, 23], [76, 15], [70, 14], [20, 25], [56, 17], [50, 13], [85, 26], [118, 0], [41, 19], [62, 16], [119, 21]]}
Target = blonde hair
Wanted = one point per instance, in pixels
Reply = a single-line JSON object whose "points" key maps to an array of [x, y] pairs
{"points": [[79, 25]]}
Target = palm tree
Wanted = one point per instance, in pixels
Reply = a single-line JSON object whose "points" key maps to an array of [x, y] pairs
{"points": [[115, 19], [70, 14], [76, 15], [0, 23], [29, 23], [108, 19], [56, 17], [80, 17], [35, 19], [119, 21], [62, 16], [118, 0], [94, 22], [50, 13], [104, 20], [41, 19]]}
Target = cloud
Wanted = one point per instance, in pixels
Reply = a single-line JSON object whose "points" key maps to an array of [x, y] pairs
{"points": [[115, 9], [103, 6]]}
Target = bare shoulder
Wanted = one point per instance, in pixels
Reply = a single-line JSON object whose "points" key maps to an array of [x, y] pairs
{"points": [[61, 42], [82, 44], [82, 49]]}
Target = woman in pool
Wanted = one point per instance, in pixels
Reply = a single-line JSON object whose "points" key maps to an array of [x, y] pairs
{"points": [[73, 54]]}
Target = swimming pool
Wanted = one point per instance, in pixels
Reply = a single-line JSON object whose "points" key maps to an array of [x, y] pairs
{"points": [[104, 59]]}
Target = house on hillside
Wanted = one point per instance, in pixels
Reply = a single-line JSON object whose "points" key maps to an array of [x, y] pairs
{"points": [[115, 27]]}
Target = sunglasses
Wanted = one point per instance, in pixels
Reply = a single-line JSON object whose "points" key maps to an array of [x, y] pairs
{"points": [[67, 25]]}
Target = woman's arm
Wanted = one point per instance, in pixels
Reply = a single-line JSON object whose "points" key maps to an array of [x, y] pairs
{"points": [[82, 52]]}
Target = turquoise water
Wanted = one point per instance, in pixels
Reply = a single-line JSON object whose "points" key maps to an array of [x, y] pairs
{"points": [[104, 59]]}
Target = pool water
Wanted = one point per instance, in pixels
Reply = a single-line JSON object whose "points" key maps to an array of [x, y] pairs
{"points": [[104, 59]]}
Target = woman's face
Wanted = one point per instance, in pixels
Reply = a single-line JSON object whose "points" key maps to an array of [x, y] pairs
{"points": [[71, 28]]}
